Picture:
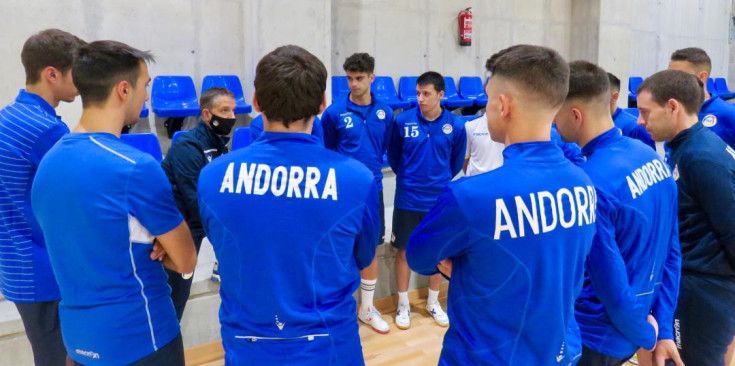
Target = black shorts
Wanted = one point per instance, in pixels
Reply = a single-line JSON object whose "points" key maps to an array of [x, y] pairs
{"points": [[404, 223], [43, 329], [172, 354], [704, 322], [591, 357], [381, 204]]}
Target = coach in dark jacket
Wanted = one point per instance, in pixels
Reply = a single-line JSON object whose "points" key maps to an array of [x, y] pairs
{"points": [[185, 159]]}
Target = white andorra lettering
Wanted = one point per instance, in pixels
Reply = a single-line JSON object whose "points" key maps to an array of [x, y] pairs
{"points": [[312, 178], [295, 176], [662, 169], [639, 180], [572, 208], [655, 178], [245, 178], [531, 217], [262, 179], [633, 188], [581, 194], [646, 176], [501, 214], [593, 203], [330, 187], [227, 179], [278, 184], [546, 227]]}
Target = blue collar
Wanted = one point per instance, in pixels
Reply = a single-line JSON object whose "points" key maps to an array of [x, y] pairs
{"points": [[534, 152], [35, 99], [351, 104], [298, 137], [683, 135], [602, 140], [424, 120], [617, 112], [709, 101]]}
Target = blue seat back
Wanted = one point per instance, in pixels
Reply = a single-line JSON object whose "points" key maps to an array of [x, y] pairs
{"points": [[340, 88], [407, 89], [145, 142], [241, 138], [231, 83], [721, 85], [144, 112], [466, 119], [470, 87], [450, 88], [383, 87], [633, 83], [174, 96], [711, 86], [177, 134]]}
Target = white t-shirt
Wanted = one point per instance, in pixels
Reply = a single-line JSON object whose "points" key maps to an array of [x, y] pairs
{"points": [[483, 153]]}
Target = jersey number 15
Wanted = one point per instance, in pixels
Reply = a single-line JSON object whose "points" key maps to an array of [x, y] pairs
{"points": [[413, 132]]}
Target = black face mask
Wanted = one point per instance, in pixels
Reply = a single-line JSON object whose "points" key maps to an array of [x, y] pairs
{"points": [[221, 125]]}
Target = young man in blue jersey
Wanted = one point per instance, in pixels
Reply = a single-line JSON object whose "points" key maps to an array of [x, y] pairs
{"points": [[183, 162], [704, 169], [426, 150], [358, 126], [626, 122], [513, 240], [111, 223], [292, 224], [715, 113], [28, 128], [634, 264]]}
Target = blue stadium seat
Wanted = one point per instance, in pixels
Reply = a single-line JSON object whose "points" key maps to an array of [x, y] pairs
{"points": [[144, 112], [633, 83], [231, 83], [633, 111], [711, 87], [722, 89], [174, 96], [407, 89], [451, 97], [470, 87], [177, 134], [241, 138], [145, 142], [384, 90], [466, 119], [340, 88]]}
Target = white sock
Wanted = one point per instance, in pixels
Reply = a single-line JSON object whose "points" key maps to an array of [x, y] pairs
{"points": [[367, 290], [433, 297], [403, 298]]}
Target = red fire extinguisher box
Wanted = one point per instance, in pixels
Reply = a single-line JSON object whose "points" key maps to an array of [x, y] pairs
{"points": [[465, 27]]}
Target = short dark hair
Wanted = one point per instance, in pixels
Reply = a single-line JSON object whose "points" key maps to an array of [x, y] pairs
{"points": [[614, 81], [50, 47], [209, 97], [674, 84], [359, 62], [696, 56], [538, 70], [431, 77], [290, 84], [101, 65], [587, 81]]}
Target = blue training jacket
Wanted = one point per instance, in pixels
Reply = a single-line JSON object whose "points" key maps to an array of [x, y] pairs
{"points": [[719, 116], [628, 124], [292, 224], [256, 128], [518, 252], [634, 265], [570, 149], [361, 132], [704, 170], [425, 155]]}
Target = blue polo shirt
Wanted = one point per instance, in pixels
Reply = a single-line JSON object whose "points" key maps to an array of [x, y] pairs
{"points": [[292, 225], [361, 132], [518, 237], [256, 128], [425, 155], [719, 116], [100, 202], [628, 124], [634, 265], [28, 128]]}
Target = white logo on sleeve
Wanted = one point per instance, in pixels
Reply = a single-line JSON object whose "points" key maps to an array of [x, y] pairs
{"points": [[279, 324], [709, 120], [380, 113], [447, 128]]}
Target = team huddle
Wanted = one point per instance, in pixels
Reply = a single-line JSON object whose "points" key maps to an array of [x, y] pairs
{"points": [[570, 241]]}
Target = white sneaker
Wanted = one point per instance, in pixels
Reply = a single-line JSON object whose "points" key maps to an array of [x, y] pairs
{"points": [[440, 317], [371, 316], [403, 316]]}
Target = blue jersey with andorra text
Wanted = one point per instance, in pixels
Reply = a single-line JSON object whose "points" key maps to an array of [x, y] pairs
{"points": [[100, 202], [256, 128], [29, 127], [634, 265], [292, 224], [628, 124], [518, 253], [719, 116], [361, 132], [425, 155]]}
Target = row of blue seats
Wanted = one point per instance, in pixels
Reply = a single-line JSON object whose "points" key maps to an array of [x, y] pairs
{"points": [[175, 96], [717, 87], [471, 91]]}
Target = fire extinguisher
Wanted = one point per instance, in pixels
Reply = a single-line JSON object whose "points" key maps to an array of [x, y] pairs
{"points": [[465, 27]]}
